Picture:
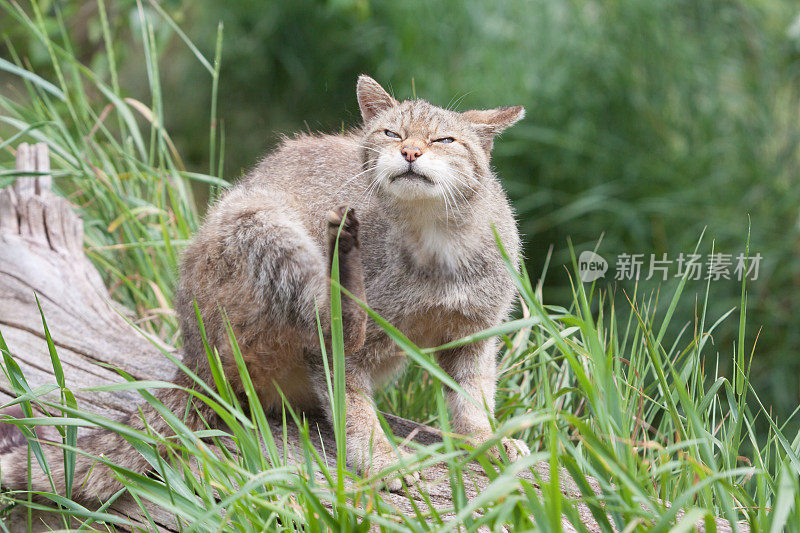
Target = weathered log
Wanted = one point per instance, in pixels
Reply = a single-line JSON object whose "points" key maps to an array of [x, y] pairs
{"points": [[41, 253]]}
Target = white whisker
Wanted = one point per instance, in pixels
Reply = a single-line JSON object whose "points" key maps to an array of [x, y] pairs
{"points": [[468, 177], [347, 182], [370, 188], [456, 208], [365, 146], [454, 105]]}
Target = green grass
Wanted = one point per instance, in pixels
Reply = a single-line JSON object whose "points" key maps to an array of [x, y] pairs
{"points": [[604, 390], [646, 121]]}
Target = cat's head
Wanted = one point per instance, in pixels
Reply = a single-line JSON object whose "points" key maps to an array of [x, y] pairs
{"points": [[420, 152]]}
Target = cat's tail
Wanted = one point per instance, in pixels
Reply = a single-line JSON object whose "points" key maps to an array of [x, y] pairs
{"points": [[92, 479]]}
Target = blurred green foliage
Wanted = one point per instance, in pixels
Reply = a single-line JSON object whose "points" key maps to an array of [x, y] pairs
{"points": [[647, 121]]}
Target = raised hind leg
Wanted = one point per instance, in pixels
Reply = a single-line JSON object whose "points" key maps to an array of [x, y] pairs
{"points": [[351, 276], [368, 449]]}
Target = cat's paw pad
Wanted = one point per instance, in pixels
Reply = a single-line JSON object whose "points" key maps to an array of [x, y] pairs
{"points": [[348, 238]]}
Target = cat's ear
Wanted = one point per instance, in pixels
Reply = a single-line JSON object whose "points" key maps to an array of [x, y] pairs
{"points": [[372, 98], [490, 122]]}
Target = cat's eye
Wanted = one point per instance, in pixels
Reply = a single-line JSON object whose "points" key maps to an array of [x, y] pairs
{"points": [[391, 134], [444, 140]]}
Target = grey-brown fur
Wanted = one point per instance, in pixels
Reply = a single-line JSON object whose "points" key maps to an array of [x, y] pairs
{"points": [[419, 248]]}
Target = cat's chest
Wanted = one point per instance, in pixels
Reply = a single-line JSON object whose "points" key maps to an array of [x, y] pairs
{"points": [[402, 281]]}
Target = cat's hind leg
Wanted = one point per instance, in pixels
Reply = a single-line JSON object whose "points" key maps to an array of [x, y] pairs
{"points": [[368, 448], [343, 230]]}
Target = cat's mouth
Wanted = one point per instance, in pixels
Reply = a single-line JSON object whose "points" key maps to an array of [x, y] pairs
{"points": [[413, 176]]}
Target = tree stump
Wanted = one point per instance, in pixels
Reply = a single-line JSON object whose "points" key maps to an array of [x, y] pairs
{"points": [[41, 254]]}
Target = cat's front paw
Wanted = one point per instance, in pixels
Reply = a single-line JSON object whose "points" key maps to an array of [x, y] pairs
{"points": [[394, 484], [514, 448], [400, 470]]}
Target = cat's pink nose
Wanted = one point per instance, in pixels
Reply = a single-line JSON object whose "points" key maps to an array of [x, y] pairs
{"points": [[410, 152]]}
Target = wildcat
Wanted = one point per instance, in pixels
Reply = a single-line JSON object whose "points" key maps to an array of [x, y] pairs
{"points": [[417, 201]]}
